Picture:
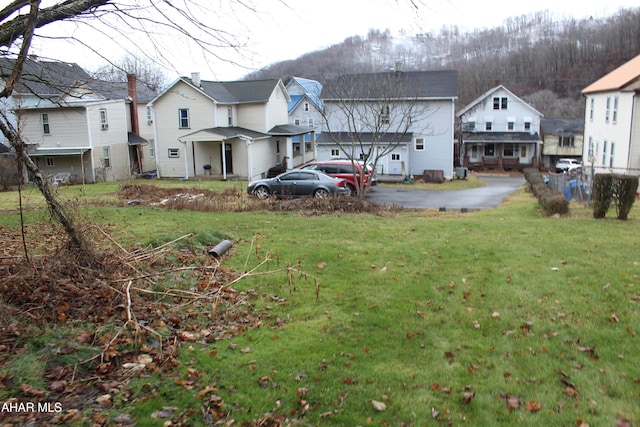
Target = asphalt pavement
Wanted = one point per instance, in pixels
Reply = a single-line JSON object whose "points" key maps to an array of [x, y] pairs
{"points": [[497, 189]]}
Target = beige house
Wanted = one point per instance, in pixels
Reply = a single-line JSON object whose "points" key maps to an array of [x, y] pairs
{"points": [[232, 129], [562, 138], [82, 130], [612, 121]]}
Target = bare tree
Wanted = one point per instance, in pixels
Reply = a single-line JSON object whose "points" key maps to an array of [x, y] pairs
{"points": [[21, 19], [370, 115], [146, 71]]}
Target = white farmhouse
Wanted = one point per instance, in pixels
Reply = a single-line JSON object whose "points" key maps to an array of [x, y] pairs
{"points": [[612, 121], [500, 131]]}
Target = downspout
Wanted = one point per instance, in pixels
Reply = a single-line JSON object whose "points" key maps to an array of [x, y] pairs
{"points": [[224, 161], [93, 165], [249, 143], [155, 140], [186, 161]]}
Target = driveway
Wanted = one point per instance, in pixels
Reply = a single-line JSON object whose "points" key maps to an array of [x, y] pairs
{"points": [[498, 187]]}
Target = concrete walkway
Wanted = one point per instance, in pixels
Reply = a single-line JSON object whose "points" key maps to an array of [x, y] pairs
{"points": [[498, 187]]}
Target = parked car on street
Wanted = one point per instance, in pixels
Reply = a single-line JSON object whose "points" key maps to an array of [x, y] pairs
{"points": [[344, 169], [298, 183], [567, 165]]}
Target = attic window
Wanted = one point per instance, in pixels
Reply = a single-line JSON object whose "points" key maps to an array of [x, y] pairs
{"points": [[500, 103], [46, 128], [104, 123], [306, 106]]}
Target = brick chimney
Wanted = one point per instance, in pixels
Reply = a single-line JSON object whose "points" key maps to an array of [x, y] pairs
{"points": [[132, 92]]}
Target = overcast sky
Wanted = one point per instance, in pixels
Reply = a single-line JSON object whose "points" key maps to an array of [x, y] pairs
{"points": [[286, 29]]}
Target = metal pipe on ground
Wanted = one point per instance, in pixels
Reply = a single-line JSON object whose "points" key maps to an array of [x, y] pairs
{"points": [[220, 249]]}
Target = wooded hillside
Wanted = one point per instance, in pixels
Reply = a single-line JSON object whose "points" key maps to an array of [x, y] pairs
{"points": [[543, 60]]}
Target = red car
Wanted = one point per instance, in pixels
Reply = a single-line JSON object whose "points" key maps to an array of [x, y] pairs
{"points": [[343, 169]]}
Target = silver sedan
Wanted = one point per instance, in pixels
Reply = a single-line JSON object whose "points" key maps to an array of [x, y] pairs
{"points": [[298, 183]]}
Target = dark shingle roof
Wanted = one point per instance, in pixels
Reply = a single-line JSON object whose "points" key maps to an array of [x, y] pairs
{"points": [[402, 84], [331, 137], [239, 92], [44, 77], [500, 137], [562, 126], [55, 79]]}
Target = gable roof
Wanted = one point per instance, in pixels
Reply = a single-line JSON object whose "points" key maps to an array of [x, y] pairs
{"points": [[619, 79], [441, 84], [59, 79], [311, 89], [490, 92], [44, 77]]}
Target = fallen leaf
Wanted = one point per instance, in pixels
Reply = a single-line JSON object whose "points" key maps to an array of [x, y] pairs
{"points": [[513, 402], [379, 406], [495, 314], [606, 287], [533, 406], [320, 265], [613, 318], [467, 397], [104, 399], [571, 392]]}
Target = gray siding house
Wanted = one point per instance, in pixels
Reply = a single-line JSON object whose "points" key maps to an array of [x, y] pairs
{"points": [[401, 121]]}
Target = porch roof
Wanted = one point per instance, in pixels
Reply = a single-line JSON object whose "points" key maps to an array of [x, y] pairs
{"points": [[289, 130], [61, 151], [390, 137], [222, 133], [501, 137], [135, 139]]}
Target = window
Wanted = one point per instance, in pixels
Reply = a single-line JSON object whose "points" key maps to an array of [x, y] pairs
{"points": [[604, 153], [419, 144], [385, 115], [152, 148], [510, 125], [523, 151], [500, 103], [174, 153], [296, 122], [472, 125], [50, 162], [527, 125], [490, 150], [229, 116], [591, 106], [566, 141], [306, 106], [149, 117], [395, 157], [611, 155], [310, 122], [183, 116], [106, 154], [104, 123], [335, 152], [606, 113], [296, 147], [508, 150], [488, 126], [615, 110], [46, 129]]}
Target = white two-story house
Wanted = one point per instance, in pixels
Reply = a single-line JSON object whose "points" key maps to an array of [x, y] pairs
{"points": [[612, 121], [228, 129], [499, 130], [404, 121], [80, 128]]}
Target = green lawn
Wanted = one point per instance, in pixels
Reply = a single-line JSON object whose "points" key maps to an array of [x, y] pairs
{"points": [[498, 317]]}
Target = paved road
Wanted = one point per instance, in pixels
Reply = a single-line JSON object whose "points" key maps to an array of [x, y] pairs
{"points": [[498, 187]]}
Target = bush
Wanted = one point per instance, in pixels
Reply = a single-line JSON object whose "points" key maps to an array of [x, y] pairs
{"points": [[554, 203], [624, 194], [602, 194], [9, 176]]}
